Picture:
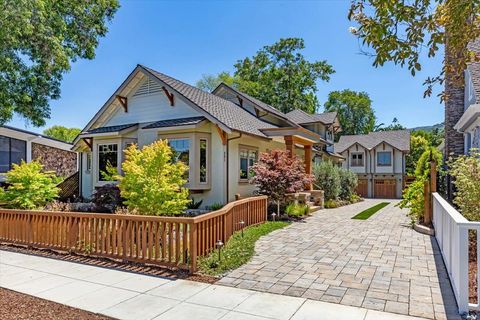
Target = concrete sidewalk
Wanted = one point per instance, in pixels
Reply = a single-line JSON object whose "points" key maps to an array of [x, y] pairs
{"points": [[126, 295]]}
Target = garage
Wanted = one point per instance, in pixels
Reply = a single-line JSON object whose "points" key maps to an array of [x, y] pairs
{"points": [[362, 188], [385, 188]]}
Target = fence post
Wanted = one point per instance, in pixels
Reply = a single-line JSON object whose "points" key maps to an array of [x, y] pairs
{"points": [[427, 218], [193, 247]]}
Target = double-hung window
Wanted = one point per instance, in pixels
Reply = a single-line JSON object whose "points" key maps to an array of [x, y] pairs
{"points": [[107, 157], [11, 151], [384, 158], [248, 157], [357, 160]]}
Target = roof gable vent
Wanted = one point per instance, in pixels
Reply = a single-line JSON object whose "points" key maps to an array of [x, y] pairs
{"points": [[149, 86]]}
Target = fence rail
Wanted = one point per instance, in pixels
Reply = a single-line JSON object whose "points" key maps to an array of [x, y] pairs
{"points": [[451, 232], [166, 241]]}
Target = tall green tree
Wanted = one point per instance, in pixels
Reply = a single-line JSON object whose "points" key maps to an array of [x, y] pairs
{"points": [[281, 76], [354, 109], [418, 145], [400, 30], [38, 42], [62, 133], [209, 82]]}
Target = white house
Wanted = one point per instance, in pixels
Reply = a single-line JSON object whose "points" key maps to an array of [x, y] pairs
{"points": [[469, 123], [378, 158], [18, 144], [219, 135]]}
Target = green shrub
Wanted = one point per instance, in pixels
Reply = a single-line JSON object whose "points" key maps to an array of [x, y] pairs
{"points": [[354, 198], [29, 187], [327, 178], [216, 206], [297, 210], [331, 204], [194, 204], [348, 183], [466, 171], [413, 199], [152, 182], [423, 164], [107, 198]]}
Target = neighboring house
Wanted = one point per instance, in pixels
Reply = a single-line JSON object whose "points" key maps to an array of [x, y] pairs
{"points": [[378, 158], [219, 135], [17, 145], [469, 122]]}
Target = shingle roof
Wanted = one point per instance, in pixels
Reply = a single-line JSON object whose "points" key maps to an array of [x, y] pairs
{"points": [[266, 107], [223, 110], [175, 122], [399, 139], [301, 117], [110, 128], [474, 68]]}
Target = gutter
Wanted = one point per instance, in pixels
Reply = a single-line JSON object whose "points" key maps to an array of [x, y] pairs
{"points": [[228, 161]]}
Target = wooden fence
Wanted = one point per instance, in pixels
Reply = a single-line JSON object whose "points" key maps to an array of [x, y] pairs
{"points": [[165, 241]]}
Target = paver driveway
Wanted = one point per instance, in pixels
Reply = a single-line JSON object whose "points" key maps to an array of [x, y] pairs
{"points": [[380, 263]]}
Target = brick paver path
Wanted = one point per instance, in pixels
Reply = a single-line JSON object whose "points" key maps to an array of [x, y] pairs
{"points": [[380, 263]]}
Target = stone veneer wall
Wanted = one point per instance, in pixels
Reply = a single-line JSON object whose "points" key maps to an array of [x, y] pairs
{"points": [[63, 162], [454, 108]]}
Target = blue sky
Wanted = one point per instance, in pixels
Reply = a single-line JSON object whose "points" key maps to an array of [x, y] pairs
{"points": [[186, 39]]}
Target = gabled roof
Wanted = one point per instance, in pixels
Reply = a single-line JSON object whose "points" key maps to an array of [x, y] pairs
{"points": [[399, 139], [223, 111], [260, 104], [474, 68], [175, 122], [301, 117]]}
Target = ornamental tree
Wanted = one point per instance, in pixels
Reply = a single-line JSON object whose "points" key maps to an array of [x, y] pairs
{"points": [[276, 174], [153, 182], [29, 187], [38, 42]]}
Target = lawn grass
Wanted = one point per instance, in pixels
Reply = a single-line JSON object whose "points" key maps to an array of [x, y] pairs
{"points": [[365, 214], [238, 249]]}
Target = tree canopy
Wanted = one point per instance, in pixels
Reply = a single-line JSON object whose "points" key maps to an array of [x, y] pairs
{"points": [[277, 74], [62, 133], [210, 82], [395, 125], [399, 31], [354, 109], [38, 41]]}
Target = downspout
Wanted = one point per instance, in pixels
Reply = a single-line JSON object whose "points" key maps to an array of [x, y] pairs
{"points": [[228, 161]]}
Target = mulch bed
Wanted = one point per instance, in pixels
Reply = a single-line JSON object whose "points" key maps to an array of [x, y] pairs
{"points": [[112, 264], [19, 306]]}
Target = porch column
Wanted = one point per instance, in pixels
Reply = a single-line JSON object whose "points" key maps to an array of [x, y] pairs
{"points": [[290, 145], [308, 163]]}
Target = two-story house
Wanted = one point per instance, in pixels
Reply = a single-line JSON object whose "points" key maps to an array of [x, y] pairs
{"points": [[219, 134], [378, 158]]}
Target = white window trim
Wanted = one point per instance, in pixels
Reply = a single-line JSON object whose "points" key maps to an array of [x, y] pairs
{"points": [[95, 159], [248, 149], [385, 165]]}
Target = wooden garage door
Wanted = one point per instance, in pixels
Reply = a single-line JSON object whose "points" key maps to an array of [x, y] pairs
{"points": [[386, 189], [362, 188]]}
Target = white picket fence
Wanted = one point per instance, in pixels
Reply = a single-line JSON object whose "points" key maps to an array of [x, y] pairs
{"points": [[451, 232]]}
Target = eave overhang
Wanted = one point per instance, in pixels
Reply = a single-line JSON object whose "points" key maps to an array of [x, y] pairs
{"points": [[468, 118]]}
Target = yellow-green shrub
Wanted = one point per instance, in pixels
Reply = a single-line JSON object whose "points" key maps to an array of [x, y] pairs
{"points": [[29, 187], [153, 183]]}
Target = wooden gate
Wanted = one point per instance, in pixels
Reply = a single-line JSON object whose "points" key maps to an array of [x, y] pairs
{"points": [[362, 188], [386, 188]]}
